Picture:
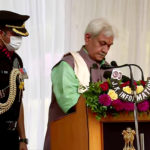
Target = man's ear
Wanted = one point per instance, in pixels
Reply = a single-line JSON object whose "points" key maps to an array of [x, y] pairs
{"points": [[87, 37]]}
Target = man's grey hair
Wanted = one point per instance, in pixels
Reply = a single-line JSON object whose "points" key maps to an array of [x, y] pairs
{"points": [[96, 26]]}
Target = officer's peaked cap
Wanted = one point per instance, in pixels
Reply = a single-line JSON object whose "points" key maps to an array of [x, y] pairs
{"points": [[14, 21]]}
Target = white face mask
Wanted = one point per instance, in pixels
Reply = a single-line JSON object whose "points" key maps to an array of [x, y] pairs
{"points": [[15, 43]]}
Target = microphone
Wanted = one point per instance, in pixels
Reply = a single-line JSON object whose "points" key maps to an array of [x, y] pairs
{"points": [[105, 66], [114, 64], [131, 74], [134, 93], [107, 74], [94, 66]]}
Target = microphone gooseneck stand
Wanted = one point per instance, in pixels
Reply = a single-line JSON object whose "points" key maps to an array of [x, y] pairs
{"points": [[134, 94], [135, 108], [140, 70], [114, 64]]}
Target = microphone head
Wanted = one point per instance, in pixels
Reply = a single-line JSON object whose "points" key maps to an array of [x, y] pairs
{"points": [[105, 66], [107, 74], [113, 63], [95, 66]]}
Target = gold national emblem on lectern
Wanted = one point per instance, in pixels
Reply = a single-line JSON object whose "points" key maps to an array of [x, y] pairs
{"points": [[128, 136]]}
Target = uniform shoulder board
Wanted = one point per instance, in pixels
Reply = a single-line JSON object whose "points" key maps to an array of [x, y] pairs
{"points": [[17, 62]]}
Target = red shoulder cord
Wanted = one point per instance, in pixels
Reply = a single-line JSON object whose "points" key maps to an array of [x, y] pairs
{"points": [[6, 52]]}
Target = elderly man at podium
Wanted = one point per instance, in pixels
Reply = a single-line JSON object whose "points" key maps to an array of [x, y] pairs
{"points": [[72, 74]]}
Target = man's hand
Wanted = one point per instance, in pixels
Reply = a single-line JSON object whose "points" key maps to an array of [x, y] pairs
{"points": [[23, 146]]}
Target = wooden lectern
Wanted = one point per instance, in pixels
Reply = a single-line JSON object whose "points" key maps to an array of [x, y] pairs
{"points": [[81, 131]]}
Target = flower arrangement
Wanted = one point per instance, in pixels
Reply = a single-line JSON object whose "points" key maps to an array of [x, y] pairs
{"points": [[102, 99]]}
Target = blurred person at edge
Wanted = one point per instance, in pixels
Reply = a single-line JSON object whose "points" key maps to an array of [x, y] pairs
{"points": [[12, 75]]}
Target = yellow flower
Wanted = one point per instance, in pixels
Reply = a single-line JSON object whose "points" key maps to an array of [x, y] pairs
{"points": [[113, 94], [139, 89], [127, 89]]}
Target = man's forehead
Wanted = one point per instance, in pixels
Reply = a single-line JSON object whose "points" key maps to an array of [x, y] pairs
{"points": [[103, 37]]}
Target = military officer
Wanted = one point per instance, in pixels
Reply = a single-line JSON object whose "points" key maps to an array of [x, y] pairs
{"points": [[12, 75]]}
